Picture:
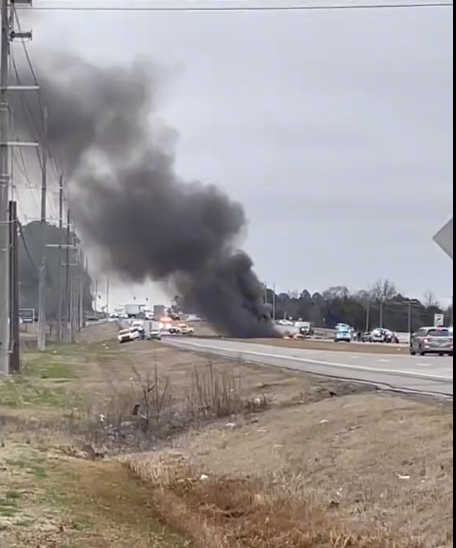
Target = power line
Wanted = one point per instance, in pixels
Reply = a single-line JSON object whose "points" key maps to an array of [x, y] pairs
{"points": [[296, 7], [26, 109], [27, 249]]}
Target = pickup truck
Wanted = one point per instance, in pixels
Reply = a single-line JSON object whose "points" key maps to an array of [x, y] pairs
{"points": [[185, 329]]}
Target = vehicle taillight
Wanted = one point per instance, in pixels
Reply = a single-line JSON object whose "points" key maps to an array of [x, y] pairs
{"points": [[427, 341]]}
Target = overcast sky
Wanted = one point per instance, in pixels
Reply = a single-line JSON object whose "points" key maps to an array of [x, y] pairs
{"points": [[334, 129]]}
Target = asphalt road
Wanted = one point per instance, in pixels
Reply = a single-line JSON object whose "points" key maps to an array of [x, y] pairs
{"points": [[431, 375]]}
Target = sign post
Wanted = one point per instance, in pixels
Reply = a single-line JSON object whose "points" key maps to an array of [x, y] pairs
{"points": [[444, 239]]}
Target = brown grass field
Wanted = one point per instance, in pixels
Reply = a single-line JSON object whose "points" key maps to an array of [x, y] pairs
{"points": [[142, 445]]}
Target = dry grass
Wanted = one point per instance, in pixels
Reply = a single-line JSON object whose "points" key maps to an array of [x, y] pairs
{"points": [[244, 456], [67, 503], [246, 513], [372, 471]]}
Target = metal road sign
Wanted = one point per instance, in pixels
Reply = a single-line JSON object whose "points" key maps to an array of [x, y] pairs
{"points": [[439, 320], [444, 239]]}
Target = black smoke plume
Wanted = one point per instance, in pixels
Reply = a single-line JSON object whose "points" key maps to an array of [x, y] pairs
{"points": [[126, 199]]}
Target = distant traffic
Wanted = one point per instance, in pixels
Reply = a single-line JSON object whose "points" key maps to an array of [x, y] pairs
{"points": [[436, 340], [139, 322]]}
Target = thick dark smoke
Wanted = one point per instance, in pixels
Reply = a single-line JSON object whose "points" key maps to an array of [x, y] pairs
{"points": [[127, 199]]}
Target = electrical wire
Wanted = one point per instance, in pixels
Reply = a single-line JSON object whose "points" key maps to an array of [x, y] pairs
{"points": [[37, 132], [50, 153], [245, 8], [26, 247]]}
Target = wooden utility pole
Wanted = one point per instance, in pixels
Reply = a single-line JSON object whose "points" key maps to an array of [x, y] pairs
{"points": [[4, 192], [108, 291], [80, 288], [43, 244], [15, 364], [8, 34]]}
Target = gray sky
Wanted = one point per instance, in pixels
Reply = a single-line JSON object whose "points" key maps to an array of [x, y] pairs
{"points": [[334, 129]]}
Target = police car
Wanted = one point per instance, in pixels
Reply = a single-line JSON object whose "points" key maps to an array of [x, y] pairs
{"points": [[343, 333]]}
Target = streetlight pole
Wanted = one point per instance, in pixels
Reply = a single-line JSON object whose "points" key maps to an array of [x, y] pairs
{"points": [[368, 311], [274, 302], [409, 317]]}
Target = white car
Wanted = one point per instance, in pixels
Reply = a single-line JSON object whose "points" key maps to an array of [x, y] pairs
{"points": [[186, 329], [128, 335], [285, 323], [137, 324], [381, 335]]}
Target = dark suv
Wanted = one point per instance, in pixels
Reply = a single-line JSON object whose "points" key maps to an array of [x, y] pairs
{"points": [[432, 340]]}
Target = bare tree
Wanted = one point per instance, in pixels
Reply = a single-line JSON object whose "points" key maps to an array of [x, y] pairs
{"points": [[430, 300], [336, 292], [383, 290], [363, 296]]}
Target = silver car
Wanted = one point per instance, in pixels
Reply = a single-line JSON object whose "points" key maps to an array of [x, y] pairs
{"points": [[154, 335], [432, 340]]}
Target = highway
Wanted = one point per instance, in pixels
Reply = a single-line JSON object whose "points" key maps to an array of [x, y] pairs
{"points": [[431, 375]]}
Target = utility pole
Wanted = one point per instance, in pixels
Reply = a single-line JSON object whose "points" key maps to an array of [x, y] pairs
{"points": [[274, 302], [71, 288], [409, 317], [4, 192], [60, 313], [73, 295], [368, 310], [80, 292], [96, 295], [108, 289], [67, 280], [7, 35], [43, 243], [14, 289]]}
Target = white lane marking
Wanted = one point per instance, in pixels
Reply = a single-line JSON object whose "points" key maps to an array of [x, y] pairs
{"points": [[359, 354], [423, 364], [319, 362], [384, 361], [354, 357]]}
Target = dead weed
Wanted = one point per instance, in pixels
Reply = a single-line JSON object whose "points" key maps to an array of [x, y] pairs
{"points": [[246, 513]]}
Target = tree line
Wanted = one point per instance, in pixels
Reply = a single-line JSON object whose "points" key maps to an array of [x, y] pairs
{"points": [[381, 306]]}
